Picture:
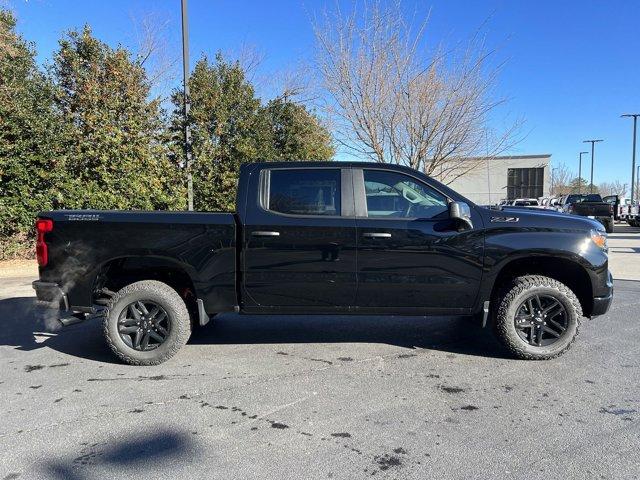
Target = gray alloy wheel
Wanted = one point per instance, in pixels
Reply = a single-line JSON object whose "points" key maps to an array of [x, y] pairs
{"points": [[541, 320], [537, 317], [146, 323]]}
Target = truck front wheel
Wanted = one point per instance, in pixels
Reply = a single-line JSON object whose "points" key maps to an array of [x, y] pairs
{"points": [[537, 317], [146, 323]]}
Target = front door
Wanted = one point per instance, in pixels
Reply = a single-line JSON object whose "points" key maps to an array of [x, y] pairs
{"points": [[300, 242], [411, 257]]}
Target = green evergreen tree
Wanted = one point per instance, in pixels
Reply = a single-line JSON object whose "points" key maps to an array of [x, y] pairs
{"points": [[297, 134], [229, 126], [29, 137], [226, 130], [115, 158], [580, 185]]}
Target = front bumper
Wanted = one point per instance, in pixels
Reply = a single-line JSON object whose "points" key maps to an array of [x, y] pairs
{"points": [[601, 304], [51, 295]]}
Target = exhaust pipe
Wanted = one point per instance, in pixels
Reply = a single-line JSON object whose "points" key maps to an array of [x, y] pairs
{"points": [[72, 319], [98, 311]]}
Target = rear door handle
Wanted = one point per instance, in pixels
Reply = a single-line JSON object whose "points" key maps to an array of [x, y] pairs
{"points": [[376, 235], [262, 233]]}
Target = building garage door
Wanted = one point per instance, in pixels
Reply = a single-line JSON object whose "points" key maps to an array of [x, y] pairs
{"points": [[525, 183]]}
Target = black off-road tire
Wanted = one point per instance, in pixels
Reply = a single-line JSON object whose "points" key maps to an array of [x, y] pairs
{"points": [[608, 226], [162, 295], [512, 296]]}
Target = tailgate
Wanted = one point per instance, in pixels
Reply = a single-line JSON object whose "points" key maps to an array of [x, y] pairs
{"points": [[588, 209]]}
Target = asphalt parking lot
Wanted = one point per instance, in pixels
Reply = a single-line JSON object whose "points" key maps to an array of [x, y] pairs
{"points": [[323, 397]]}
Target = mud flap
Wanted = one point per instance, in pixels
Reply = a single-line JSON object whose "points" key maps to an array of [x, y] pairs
{"points": [[203, 318]]}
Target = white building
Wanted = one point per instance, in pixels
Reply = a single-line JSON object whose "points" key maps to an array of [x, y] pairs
{"points": [[507, 177]]}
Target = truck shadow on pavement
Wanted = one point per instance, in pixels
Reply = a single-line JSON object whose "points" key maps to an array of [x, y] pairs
{"points": [[455, 335], [27, 327], [149, 453]]}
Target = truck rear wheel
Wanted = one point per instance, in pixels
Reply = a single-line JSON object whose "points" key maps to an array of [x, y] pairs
{"points": [[537, 317], [146, 323], [608, 225]]}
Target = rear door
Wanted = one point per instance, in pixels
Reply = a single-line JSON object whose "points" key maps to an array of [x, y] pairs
{"points": [[299, 241], [411, 257]]}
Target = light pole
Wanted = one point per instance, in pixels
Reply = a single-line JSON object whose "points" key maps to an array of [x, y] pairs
{"points": [[637, 187], [633, 154], [580, 172], [592, 142], [185, 76]]}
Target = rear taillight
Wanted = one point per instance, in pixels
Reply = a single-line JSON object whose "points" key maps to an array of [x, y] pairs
{"points": [[611, 209], [43, 225]]}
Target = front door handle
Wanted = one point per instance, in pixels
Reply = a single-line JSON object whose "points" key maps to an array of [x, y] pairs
{"points": [[262, 233], [376, 235]]}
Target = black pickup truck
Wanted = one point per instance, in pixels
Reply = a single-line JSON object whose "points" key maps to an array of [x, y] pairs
{"points": [[591, 206], [325, 238]]}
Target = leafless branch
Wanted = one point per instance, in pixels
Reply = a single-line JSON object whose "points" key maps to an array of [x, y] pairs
{"points": [[613, 188], [154, 53], [561, 180], [394, 102]]}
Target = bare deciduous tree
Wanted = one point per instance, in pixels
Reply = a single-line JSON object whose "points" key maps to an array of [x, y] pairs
{"points": [[613, 188], [561, 178], [154, 52], [249, 57], [394, 103], [295, 83]]}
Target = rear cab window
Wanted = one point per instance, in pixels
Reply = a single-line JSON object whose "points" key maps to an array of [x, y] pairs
{"points": [[575, 198]]}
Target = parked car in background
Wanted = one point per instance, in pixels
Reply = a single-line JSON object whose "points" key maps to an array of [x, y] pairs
{"points": [[525, 202], [591, 206], [621, 206], [549, 203], [633, 215], [325, 238], [566, 200]]}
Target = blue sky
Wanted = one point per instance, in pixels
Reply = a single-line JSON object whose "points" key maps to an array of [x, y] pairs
{"points": [[572, 66]]}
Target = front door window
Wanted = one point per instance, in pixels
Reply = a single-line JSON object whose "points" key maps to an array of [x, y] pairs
{"points": [[394, 195]]}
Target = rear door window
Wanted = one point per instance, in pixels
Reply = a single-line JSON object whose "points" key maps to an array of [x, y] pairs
{"points": [[304, 191]]}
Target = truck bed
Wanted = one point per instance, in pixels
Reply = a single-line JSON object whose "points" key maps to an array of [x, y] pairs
{"points": [[84, 244]]}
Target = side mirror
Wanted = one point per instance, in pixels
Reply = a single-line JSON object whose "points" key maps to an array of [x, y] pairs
{"points": [[461, 212]]}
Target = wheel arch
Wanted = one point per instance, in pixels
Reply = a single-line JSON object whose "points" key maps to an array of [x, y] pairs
{"points": [[562, 269], [116, 273]]}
